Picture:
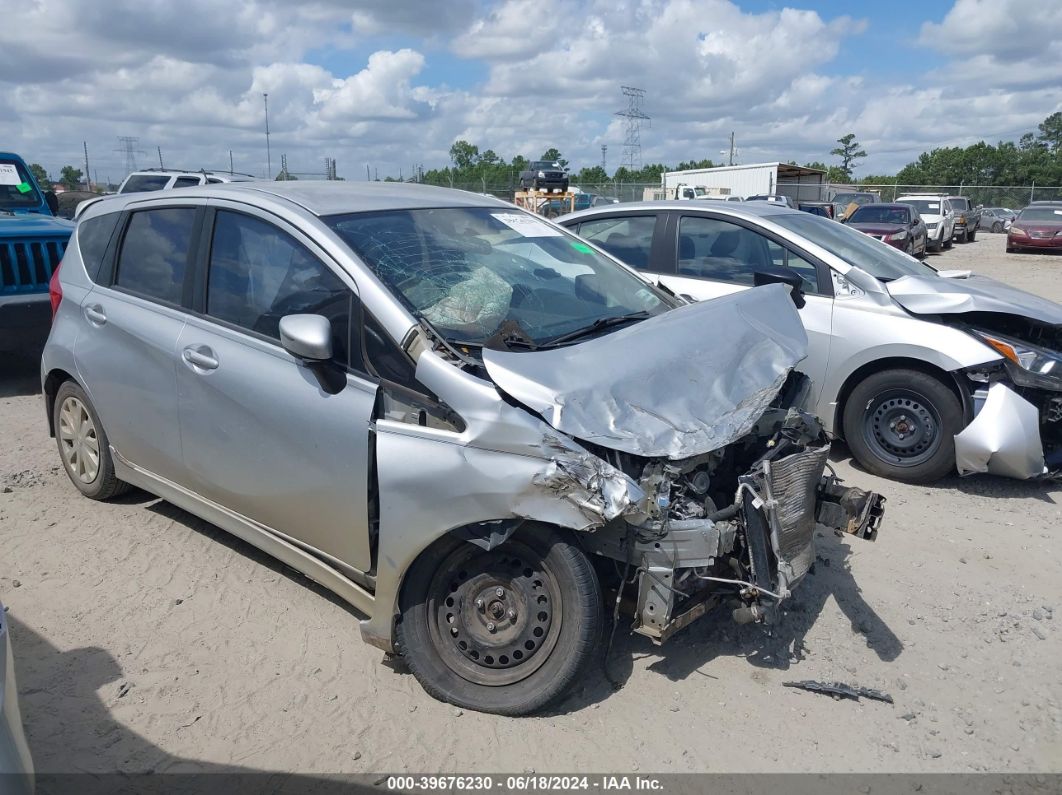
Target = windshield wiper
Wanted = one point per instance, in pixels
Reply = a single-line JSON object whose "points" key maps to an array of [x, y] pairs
{"points": [[597, 325]]}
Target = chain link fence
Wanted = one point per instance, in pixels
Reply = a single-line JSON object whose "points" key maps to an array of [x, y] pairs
{"points": [[1011, 196]]}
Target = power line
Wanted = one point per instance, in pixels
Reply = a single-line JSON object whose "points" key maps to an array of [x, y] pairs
{"points": [[632, 142]]}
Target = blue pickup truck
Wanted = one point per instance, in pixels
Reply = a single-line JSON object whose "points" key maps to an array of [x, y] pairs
{"points": [[32, 242]]}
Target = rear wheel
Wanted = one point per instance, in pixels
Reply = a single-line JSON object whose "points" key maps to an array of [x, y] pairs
{"points": [[901, 424], [506, 631], [971, 235], [83, 445], [997, 227]]}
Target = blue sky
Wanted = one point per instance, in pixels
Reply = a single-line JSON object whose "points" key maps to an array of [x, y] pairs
{"points": [[392, 84]]}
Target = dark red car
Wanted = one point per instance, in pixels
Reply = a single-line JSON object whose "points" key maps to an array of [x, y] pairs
{"points": [[1038, 227], [899, 225]]}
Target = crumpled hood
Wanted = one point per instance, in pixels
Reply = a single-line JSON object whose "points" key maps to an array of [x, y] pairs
{"points": [[934, 295], [677, 385]]}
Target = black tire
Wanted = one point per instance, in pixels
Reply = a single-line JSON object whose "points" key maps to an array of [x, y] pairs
{"points": [[997, 227], [884, 407], [950, 241], [936, 245], [971, 235], [450, 610], [104, 484]]}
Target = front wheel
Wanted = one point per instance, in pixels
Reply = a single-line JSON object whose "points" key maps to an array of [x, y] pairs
{"points": [[950, 241], [506, 631], [971, 235], [997, 227], [901, 424]]}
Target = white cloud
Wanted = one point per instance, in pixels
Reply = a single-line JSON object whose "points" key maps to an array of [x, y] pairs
{"points": [[189, 77]]}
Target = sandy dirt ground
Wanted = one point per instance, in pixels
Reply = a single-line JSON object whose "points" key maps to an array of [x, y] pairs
{"points": [[148, 640]]}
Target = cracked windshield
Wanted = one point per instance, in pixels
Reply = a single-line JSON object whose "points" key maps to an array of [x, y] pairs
{"points": [[497, 276]]}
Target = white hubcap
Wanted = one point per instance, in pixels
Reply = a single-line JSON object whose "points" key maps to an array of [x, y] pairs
{"points": [[78, 440]]}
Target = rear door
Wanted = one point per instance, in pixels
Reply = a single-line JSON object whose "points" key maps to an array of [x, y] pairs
{"points": [[126, 352], [260, 436]]}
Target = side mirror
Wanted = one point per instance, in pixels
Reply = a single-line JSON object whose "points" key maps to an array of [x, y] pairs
{"points": [[52, 201], [307, 337], [782, 276]]}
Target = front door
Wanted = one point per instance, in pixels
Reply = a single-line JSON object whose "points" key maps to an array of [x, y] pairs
{"points": [[259, 434]]}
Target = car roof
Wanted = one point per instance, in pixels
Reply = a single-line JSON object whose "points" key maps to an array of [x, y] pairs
{"points": [[324, 197], [735, 209], [886, 205]]}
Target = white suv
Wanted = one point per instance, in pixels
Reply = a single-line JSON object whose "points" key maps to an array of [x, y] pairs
{"points": [[165, 178], [937, 212]]}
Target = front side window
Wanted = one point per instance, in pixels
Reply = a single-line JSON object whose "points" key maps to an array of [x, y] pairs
{"points": [[709, 248], [154, 257], [628, 238], [481, 273], [259, 273]]}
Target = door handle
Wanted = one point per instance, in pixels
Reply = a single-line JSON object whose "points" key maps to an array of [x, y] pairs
{"points": [[201, 356], [95, 314]]}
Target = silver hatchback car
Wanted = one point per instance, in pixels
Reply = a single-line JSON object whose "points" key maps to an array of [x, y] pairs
{"points": [[455, 415]]}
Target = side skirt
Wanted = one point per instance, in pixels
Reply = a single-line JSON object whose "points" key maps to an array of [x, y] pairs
{"points": [[255, 534]]}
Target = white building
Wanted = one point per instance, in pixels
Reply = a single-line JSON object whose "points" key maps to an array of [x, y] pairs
{"points": [[796, 182]]}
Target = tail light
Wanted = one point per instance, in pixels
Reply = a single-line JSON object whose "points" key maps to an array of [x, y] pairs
{"points": [[55, 290]]}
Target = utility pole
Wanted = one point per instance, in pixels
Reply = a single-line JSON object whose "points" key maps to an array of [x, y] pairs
{"points": [[731, 160], [604, 161], [230, 161], [367, 177], [88, 178], [269, 157], [632, 142], [160, 157]]}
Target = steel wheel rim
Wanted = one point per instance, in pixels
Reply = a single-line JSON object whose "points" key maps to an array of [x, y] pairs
{"points": [[78, 441], [902, 427], [459, 626]]}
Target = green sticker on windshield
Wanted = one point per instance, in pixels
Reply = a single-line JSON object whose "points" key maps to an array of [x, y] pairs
{"points": [[582, 248], [24, 187]]}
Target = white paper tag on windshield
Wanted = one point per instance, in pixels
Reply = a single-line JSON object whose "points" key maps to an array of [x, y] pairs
{"points": [[9, 174], [933, 206], [527, 225], [1058, 212]]}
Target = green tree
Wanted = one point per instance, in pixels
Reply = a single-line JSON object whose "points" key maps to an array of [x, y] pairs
{"points": [[592, 175], [70, 177], [1051, 131], [833, 173], [554, 156], [40, 173], [463, 154], [689, 165], [849, 151]]}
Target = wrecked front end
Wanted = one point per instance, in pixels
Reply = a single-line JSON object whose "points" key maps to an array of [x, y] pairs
{"points": [[735, 525], [1013, 406], [726, 478]]}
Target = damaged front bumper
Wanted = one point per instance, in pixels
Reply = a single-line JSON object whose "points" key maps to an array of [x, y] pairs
{"points": [[754, 551], [1007, 435]]}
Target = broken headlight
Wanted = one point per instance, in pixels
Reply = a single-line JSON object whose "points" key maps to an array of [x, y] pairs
{"points": [[1027, 364]]}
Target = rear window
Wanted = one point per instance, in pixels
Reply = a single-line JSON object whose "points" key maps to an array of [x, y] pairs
{"points": [[93, 236], [154, 257], [185, 182], [140, 183]]}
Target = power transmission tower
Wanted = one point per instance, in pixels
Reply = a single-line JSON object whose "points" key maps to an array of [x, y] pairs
{"points": [[129, 149], [632, 142], [283, 175], [604, 161]]}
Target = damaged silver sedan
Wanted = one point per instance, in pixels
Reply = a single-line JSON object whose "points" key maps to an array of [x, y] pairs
{"points": [[458, 417]]}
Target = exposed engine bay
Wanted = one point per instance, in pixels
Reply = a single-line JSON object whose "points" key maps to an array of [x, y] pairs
{"points": [[736, 523]]}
